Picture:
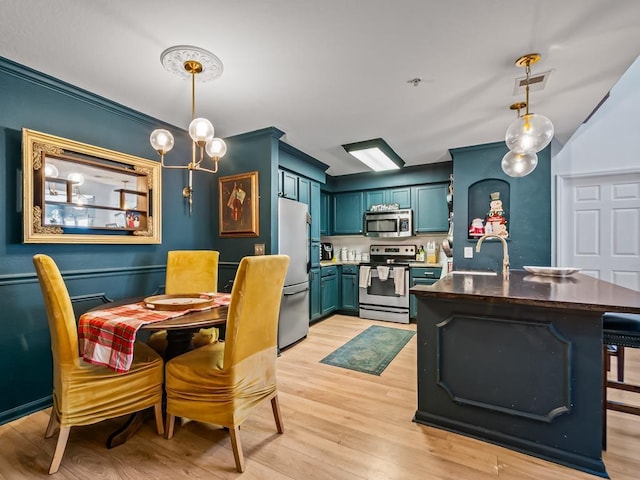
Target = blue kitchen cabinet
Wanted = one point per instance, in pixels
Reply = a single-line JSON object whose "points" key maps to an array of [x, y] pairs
{"points": [[304, 191], [329, 289], [401, 196], [348, 212], [315, 298], [314, 210], [289, 185], [430, 211], [349, 289], [421, 276], [325, 212], [314, 254]]}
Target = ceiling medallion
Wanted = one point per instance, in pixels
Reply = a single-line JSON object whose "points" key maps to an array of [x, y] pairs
{"points": [[182, 59]]}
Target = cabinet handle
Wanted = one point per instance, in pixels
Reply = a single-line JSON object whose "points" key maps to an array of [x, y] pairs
{"points": [[429, 274]]}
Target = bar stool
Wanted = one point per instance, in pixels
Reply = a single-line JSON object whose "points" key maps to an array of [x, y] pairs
{"points": [[621, 330], [618, 352]]}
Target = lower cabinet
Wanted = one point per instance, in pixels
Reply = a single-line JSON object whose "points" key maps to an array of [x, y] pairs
{"points": [[349, 289], [329, 289], [315, 298], [421, 276]]}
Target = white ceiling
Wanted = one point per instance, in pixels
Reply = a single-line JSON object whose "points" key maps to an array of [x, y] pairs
{"points": [[331, 72]]}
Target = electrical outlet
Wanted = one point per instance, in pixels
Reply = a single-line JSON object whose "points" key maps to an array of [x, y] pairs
{"points": [[468, 252], [258, 249]]}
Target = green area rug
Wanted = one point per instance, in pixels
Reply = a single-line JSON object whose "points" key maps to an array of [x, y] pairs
{"points": [[370, 351]]}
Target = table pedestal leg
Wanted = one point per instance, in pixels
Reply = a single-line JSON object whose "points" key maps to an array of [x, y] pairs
{"points": [[178, 342], [127, 430]]}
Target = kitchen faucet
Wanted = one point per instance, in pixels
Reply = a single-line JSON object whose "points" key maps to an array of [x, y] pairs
{"points": [[505, 253]]}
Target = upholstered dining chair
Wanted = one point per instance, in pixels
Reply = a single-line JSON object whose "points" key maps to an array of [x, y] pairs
{"points": [[83, 393], [223, 382], [189, 271]]}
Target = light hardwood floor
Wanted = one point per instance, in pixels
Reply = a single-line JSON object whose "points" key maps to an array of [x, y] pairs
{"points": [[339, 424]]}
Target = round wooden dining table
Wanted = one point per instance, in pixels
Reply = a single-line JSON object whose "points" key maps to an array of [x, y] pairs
{"points": [[180, 330]]}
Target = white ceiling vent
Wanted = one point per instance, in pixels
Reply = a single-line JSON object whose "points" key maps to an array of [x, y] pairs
{"points": [[536, 82]]}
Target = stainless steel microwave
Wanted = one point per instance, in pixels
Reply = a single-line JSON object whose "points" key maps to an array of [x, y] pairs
{"points": [[389, 223]]}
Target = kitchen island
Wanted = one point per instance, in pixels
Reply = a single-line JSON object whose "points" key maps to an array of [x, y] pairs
{"points": [[517, 361]]}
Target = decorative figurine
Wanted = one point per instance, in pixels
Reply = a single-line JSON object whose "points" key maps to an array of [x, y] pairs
{"points": [[477, 228], [496, 221]]}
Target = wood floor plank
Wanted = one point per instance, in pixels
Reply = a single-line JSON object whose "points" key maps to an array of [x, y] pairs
{"points": [[338, 423]]}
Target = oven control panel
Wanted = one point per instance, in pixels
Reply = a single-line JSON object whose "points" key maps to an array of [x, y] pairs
{"points": [[393, 251], [385, 254]]}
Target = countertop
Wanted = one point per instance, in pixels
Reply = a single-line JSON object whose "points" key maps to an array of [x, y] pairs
{"points": [[328, 263], [577, 292]]}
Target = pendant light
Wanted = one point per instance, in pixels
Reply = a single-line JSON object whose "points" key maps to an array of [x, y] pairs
{"points": [[519, 164], [189, 62], [530, 132]]}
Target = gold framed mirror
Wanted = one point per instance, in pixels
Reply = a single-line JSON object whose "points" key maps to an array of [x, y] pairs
{"points": [[79, 193]]}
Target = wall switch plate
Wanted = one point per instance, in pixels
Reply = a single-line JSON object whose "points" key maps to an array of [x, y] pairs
{"points": [[468, 252], [258, 249]]}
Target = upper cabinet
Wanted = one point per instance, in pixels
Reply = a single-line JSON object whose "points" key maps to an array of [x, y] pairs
{"points": [[78, 193], [325, 214], [289, 185], [347, 213], [314, 210], [401, 196], [430, 211], [429, 204]]}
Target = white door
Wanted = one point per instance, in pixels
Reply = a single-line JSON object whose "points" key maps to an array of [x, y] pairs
{"points": [[599, 226]]}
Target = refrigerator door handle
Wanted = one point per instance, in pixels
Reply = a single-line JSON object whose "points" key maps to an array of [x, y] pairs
{"points": [[296, 293]]}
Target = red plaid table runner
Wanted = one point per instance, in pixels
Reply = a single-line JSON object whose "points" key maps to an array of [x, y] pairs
{"points": [[106, 337]]}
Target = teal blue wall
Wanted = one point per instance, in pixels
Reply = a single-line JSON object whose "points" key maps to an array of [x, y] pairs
{"points": [[253, 151], [528, 215], [39, 102]]}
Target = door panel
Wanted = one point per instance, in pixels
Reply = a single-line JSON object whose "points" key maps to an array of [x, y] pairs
{"points": [[599, 227]]}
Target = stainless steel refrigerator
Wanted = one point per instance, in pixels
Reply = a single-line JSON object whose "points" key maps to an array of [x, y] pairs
{"points": [[293, 240]]}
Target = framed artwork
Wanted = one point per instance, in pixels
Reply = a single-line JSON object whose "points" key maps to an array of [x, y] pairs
{"points": [[239, 205], [79, 193]]}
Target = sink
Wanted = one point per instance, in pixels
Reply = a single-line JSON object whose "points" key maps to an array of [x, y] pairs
{"points": [[474, 272]]}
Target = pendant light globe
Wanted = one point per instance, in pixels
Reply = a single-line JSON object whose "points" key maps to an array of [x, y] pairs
{"points": [[529, 133], [216, 148], [519, 164]]}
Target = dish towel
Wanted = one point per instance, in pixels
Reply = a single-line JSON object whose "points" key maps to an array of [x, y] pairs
{"points": [[365, 277], [383, 273], [398, 280]]}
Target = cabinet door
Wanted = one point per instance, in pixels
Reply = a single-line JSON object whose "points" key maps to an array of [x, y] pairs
{"points": [[314, 252], [329, 294], [347, 213], [325, 212], [349, 292], [314, 210], [373, 197], [315, 301], [401, 196], [421, 276], [430, 212], [304, 191], [289, 185]]}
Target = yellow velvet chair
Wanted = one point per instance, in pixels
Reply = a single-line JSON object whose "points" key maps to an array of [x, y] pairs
{"points": [[222, 383], [83, 393], [189, 271]]}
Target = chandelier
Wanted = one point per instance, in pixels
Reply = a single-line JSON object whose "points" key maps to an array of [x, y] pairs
{"points": [[190, 62], [528, 134]]}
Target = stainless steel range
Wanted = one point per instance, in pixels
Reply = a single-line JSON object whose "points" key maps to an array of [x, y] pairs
{"points": [[384, 283]]}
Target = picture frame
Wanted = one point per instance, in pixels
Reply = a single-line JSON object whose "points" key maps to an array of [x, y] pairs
{"points": [[239, 206], [79, 193]]}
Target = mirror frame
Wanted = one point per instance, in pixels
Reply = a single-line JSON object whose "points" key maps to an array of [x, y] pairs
{"points": [[37, 147]]}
